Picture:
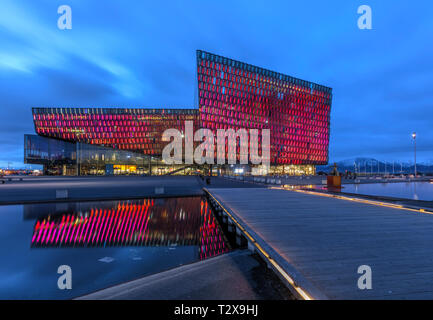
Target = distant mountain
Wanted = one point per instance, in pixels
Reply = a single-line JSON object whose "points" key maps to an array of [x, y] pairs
{"points": [[352, 161], [363, 164]]}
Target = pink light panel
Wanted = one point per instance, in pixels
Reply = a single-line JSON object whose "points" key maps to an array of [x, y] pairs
{"points": [[236, 95], [231, 95], [126, 129]]}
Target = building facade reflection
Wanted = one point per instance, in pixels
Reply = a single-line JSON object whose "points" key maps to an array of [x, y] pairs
{"points": [[185, 221]]}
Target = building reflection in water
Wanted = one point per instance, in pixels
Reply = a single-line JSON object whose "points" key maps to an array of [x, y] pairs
{"points": [[148, 222]]}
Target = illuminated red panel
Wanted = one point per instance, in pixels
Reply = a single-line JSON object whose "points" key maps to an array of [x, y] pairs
{"points": [[127, 129], [236, 95], [231, 94]]}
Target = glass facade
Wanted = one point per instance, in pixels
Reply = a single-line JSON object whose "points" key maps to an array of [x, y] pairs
{"points": [[57, 156], [99, 160], [231, 95], [125, 129], [67, 158], [41, 150], [236, 95]]}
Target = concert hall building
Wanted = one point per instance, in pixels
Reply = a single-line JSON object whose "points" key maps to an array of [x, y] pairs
{"points": [[231, 95]]}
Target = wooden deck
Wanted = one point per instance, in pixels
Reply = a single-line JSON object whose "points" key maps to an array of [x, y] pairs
{"points": [[320, 242]]}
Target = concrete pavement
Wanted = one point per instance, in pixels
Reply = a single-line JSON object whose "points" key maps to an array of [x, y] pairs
{"points": [[59, 188], [233, 276], [321, 242]]}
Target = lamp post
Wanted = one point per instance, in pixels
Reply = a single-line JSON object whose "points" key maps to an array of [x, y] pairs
{"points": [[414, 143]]}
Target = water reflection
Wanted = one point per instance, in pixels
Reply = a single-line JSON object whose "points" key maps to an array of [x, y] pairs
{"points": [[298, 186], [147, 222], [105, 243], [407, 190]]}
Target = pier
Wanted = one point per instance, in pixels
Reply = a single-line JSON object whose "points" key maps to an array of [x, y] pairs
{"points": [[233, 276], [316, 242]]}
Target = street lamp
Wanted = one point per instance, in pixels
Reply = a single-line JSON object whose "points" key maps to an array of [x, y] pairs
{"points": [[414, 142]]}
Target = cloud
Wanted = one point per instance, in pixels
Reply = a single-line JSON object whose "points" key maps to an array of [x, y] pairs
{"points": [[143, 54], [83, 82]]}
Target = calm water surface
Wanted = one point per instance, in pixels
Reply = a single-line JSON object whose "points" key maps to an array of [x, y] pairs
{"points": [[407, 190], [104, 243]]}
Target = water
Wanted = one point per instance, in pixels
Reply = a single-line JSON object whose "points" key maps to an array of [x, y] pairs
{"points": [[105, 243], [406, 190]]}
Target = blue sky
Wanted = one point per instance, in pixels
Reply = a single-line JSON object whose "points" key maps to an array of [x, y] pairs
{"points": [[142, 54]]}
